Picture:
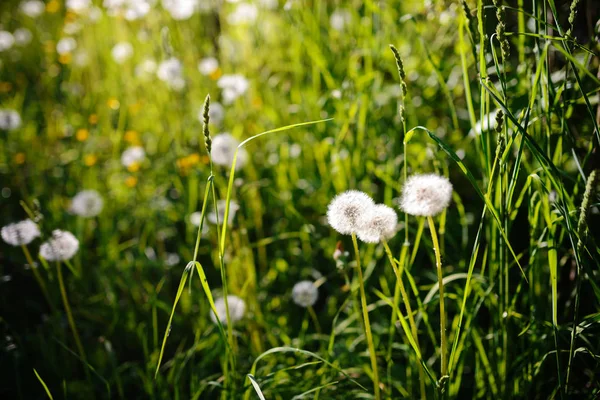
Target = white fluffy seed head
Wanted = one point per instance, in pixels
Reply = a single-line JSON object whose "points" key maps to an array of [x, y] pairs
{"points": [[9, 120], [379, 223], [237, 309], [346, 209], [87, 203], [305, 293], [132, 155], [61, 246], [426, 195], [221, 204], [20, 233], [223, 149]]}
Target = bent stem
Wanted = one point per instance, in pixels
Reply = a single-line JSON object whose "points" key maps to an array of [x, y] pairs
{"points": [[38, 277], [365, 312], [444, 344], [411, 319], [65, 299]]}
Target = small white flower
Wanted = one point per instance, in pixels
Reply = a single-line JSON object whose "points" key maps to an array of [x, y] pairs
{"points": [[20, 233], [378, 223], [132, 155], [66, 45], [244, 13], [32, 8], [145, 68], [172, 259], [180, 9], [87, 203], [305, 293], [223, 149], [237, 309], [194, 219], [9, 120], [171, 72], [426, 195], [61, 246], [6, 40], [79, 6], [221, 204], [131, 9], [22, 36], [216, 113], [232, 86], [346, 210], [339, 19], [121, 52], [208, 65]]}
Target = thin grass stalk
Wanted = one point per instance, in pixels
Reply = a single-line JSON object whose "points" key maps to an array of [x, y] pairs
{"points": [[38, 277], [409, 312], [365, 312], [65, 299], [443, 342]]}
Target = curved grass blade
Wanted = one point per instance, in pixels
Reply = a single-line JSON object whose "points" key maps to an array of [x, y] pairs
{"points": [[43, 384], [180, 290], [256, 387]]}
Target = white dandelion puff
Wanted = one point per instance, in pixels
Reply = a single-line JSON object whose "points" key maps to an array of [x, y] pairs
{"points": [[172, 259], [66, 45], [233, 209], [223, 150], [20, 233], [22, 36], [87, 203], [146, 68], [339, 19], [237, 309], [132, 10], [180, 9], [122, 52], [379, 223], [232, 86], [61, 246], [170, 71], [305, 293], [32, 8], [6, 40], [79, 6], [9, 120], [195, 218], [132, 155], [346, 210], [244, 13], [426, 195], [208, 65]]}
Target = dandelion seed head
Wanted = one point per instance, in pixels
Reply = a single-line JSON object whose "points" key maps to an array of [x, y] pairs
{"points": [[221, 204], [9, 120], [305, 293], [87, 203], [32, 8], [132, 155], [232, 86], [426, 195], [208, 65], [6, 40], [180, 9], [224, 146], [121, 52], [244, 13], [61, 246], [346, 209], [170, 71], [237, 309], [379, 223], [66, 45], [20, 233]]}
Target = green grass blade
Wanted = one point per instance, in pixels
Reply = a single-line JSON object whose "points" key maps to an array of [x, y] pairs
{"points": [[43, 384]]}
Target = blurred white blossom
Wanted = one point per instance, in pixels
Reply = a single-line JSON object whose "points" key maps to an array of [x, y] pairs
{"points": [[9, 120], [170, 71], [61, 246], [232, 86], [132, 155], [224, 146], [305, 293], [32, 8], [121, 52], [180, 9], [237, 309], [244, 13], [208, 65], [20, 233], [233, 208], [66, 45], [87, 203], [6, 40]]}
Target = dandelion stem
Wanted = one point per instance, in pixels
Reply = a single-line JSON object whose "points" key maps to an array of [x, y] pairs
{"points": [[37, 276], [438, 263], [365, 313], [411, 319], [65, 299]]}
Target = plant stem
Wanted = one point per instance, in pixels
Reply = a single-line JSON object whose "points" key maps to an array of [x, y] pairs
{"points": [[65, 299], [38, 277], [411, 319], [365, 312], [438, 263]]}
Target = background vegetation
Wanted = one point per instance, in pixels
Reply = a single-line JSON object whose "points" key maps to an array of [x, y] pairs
{"points": [[513, 333]]}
